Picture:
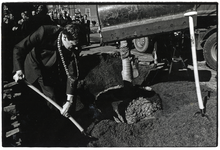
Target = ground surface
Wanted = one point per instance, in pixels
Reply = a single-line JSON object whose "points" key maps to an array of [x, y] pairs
{"points": [[175, 125]]}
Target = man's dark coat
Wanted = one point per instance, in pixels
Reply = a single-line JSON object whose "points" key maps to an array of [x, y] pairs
{"points": [[38, 55]]}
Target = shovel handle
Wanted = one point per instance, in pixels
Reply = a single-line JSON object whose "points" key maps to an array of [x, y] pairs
{"points": [[194, 58], [54, 104], [44, 96]]}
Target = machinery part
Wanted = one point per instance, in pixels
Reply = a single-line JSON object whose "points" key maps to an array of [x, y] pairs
{"points": [[114, 15], [123, 22], [210, 51], [126, 72], [141, 44], [126, 62], [194, 58], [154, 53]]}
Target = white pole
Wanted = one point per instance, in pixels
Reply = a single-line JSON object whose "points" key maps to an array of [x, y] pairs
{"points": [[194, 58]]}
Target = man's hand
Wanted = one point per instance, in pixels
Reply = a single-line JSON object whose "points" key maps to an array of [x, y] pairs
{"points": [[65, 109], [19, 75]]}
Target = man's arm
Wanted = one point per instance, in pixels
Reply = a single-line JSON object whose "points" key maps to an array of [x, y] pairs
{"points": [[21, 49], [71, 86]]}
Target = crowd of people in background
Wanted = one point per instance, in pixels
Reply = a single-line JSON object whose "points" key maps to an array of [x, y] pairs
{"points": [[14, 30]]}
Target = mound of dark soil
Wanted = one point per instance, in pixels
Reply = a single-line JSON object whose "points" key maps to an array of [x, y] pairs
{"points": [[114, 100], [175, 125]]}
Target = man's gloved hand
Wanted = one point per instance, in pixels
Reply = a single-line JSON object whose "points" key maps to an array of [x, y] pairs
{"points": [[66, 108], [19, 75]]}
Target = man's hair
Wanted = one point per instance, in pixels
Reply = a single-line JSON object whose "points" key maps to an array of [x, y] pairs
{"points": [[72, 31]]}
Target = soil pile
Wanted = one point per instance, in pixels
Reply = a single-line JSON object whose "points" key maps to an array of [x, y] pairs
{"points": [[114, 100], [174, 125]]}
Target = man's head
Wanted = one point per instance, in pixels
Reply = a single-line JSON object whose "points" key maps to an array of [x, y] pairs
{"points": [[33, 12], [6, 19], [73, 17], [70, 36], [11, 16], [42, 9], [85, 16], [64, 13]]}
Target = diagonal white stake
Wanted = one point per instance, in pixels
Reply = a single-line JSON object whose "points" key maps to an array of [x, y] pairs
{"points": [[194, 58]]}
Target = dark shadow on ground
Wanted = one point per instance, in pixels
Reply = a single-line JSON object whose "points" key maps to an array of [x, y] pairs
{"points": [[157, 76], [90, 47], [41, 126]]}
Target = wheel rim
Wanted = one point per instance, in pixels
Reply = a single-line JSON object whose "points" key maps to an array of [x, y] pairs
{"points": [[140, 42], [214, 51]]}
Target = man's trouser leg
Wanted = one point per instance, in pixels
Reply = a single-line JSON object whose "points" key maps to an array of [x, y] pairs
{"points": [[49, 91]]}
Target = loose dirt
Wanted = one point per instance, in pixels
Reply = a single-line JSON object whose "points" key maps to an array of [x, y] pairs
{"points": [[175, 122]]}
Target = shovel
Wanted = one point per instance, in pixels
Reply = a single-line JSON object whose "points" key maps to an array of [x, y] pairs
{"points": [[194, 58], [59, 108]]}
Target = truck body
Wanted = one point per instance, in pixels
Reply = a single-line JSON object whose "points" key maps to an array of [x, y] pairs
{"points": [[125, 22]]}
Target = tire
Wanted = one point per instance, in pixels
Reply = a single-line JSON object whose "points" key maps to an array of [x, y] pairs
{"points": [[210, 51], [141, 44]]}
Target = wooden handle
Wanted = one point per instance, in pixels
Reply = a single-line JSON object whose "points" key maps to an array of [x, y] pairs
{"points": [[194, 58], [54, 104]]}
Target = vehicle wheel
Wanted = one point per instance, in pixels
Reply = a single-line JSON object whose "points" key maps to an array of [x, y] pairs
{"points": [[141, 44], [210, 51]]}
